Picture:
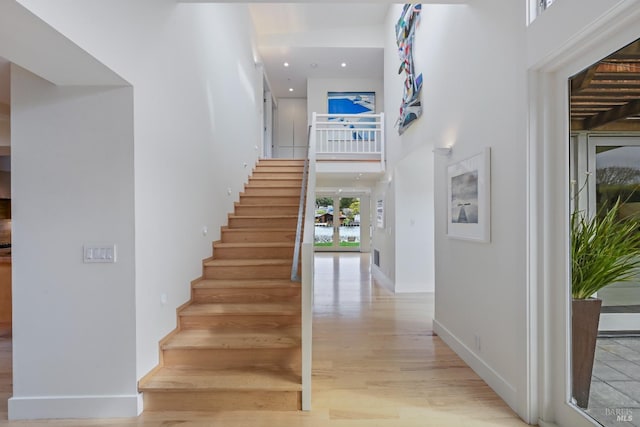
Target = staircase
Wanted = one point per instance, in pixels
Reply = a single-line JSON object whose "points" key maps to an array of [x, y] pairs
{"points": [[237, 343]]}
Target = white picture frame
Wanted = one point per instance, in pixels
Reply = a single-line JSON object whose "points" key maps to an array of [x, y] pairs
{"points": [[380, 213], [469, 198]]}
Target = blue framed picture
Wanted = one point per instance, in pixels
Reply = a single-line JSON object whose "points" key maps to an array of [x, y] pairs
{"points": [[351, 102]]}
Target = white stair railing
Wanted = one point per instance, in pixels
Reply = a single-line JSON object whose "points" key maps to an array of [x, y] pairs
{"points": [[350, 136], [307, 269]]}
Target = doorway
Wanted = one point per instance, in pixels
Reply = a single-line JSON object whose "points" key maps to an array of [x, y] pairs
{"points": [[341, 223], [605, 169]]}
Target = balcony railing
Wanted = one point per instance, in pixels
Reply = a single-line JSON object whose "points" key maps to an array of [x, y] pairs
{"points": [[349, 136]]}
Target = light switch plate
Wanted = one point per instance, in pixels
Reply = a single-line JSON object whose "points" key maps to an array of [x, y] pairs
{"points": [[99, 253]]}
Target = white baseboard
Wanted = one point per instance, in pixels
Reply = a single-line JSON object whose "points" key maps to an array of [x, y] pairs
{"points": [[505, 390], [31, 408], [382, 279]]}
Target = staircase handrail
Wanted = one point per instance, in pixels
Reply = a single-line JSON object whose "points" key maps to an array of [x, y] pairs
{"points": [[295, 273]]}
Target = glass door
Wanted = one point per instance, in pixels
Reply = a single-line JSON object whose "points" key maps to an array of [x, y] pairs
{"points": [[616, 162], [337, 223]]}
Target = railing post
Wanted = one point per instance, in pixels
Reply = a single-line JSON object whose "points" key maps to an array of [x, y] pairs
{"points": [[383, 161]]}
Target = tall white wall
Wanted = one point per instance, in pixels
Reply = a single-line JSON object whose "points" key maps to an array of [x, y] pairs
{"points": [[317, 90], [472, 97], [414, 212], [291, 129], [198, 124], [74, 335]]}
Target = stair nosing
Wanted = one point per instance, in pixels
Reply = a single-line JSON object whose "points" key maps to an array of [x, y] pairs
{"points": [[245, 284], [282, 383]]}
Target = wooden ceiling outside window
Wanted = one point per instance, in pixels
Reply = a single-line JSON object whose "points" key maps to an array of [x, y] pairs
{"points": [[606, 96]]}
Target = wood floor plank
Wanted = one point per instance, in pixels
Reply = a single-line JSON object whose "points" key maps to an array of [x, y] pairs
{"points": [[376, 363]]}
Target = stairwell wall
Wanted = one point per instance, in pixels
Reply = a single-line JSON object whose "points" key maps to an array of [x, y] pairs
{"points": [[72, 177], [472, 57], [197, 119]]}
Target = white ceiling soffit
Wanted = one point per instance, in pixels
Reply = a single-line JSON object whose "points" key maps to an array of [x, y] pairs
{"points": [[278, 18], [305, 63], [315, 39], [32, 50]]}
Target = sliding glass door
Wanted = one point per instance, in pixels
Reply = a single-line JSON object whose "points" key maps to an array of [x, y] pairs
{"points": [[615, 162]]}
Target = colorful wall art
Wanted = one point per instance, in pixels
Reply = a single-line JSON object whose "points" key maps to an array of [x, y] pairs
{"points": [[411, 107], [354, 104]]}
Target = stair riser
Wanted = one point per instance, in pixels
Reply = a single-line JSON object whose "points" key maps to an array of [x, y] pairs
{"points": [[242, 210], [281, 162], [233, 358], [269, 200], [241, 222], [248, 272], [268, 191], [238, 322], [253, 253], [279, 169], [222, 400], [275, 182], [282, 175], [246, 295], [263, 236]]}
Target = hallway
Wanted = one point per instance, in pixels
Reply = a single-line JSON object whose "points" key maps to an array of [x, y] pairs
{"points": [[376, 363]]}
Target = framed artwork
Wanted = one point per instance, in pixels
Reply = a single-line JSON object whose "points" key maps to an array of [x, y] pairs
{"points": [[469, 198], [380, 213], [351, 102]]}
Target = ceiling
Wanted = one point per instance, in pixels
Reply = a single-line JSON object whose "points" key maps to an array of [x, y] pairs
{"points": [[606, 96], [315, 39]]}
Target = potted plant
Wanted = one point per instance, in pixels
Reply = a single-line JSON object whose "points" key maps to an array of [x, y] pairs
{"points": [[605, 249]]}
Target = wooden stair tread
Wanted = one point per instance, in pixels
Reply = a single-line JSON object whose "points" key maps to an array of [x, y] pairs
{"points": [[245, 284], [255, 245], [287, 186], [246, 262], [258, 229], [234, 339], [239, 309], [289, 205], [185, 379], [263, 216]]}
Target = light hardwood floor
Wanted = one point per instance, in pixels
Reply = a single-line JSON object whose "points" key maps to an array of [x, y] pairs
{"points": [[376, 363]]}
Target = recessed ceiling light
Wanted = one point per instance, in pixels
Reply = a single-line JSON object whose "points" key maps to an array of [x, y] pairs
{"points": [[286, 64], [314, 65], [344, 64], [290, 89]]}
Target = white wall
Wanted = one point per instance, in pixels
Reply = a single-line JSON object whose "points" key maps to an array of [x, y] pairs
{"points": [[74, 340], [384, 238], [474, 95], [317, 90], [414, 214], [197, 120], [291, 129]]}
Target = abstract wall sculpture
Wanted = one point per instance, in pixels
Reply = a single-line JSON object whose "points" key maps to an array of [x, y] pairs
{"points": [[411, 107]]}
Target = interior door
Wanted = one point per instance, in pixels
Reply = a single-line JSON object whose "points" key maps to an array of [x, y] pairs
{"points": [[615, 161]]}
